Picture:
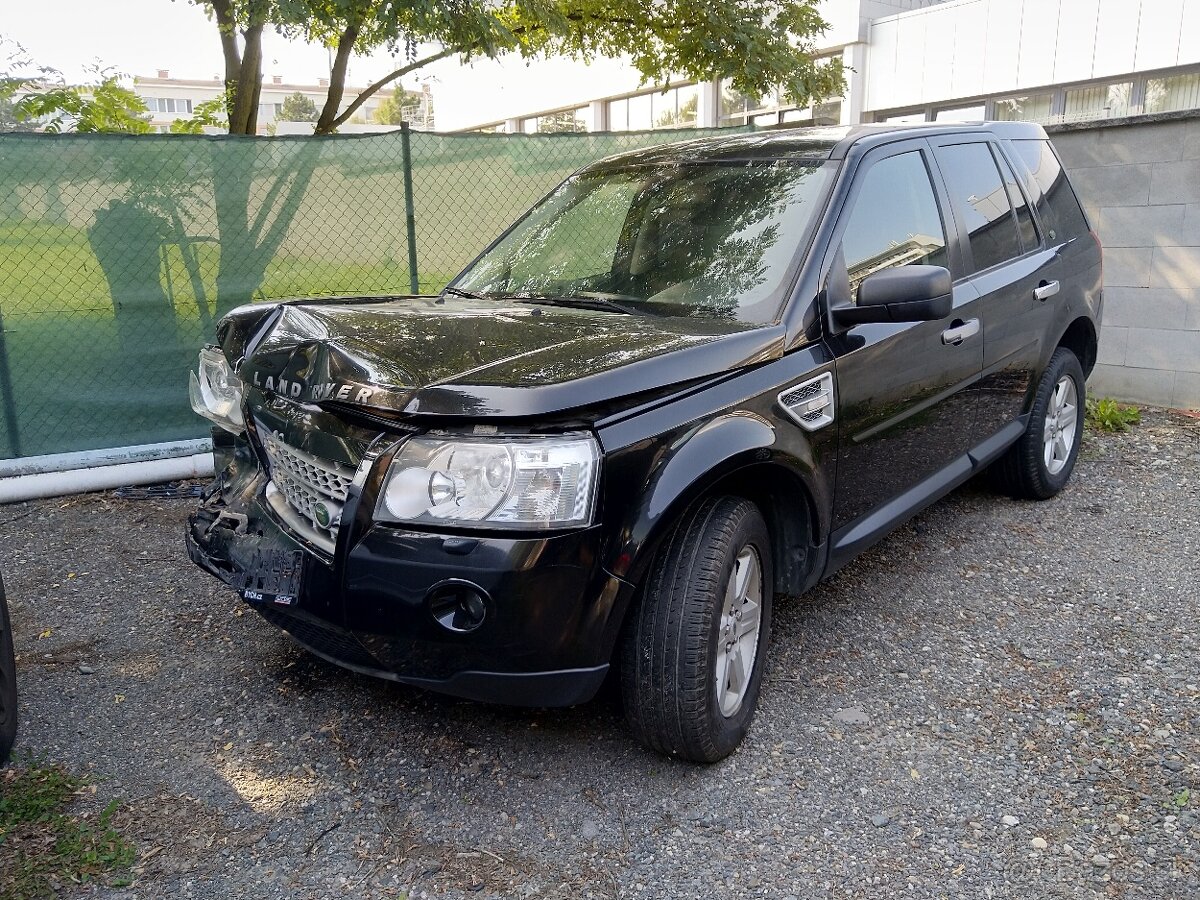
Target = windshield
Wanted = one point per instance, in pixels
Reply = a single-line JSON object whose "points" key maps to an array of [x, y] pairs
{"points": [[711, 240]]}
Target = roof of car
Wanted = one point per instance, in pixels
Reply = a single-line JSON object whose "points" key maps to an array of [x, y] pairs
{"points": [[808, 143]]}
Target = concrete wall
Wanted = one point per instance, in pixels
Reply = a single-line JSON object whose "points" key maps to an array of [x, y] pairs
{"points": [[1140, 184]]}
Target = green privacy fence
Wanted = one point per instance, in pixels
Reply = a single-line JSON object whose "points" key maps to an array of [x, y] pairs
{"points": [[118, 254]]}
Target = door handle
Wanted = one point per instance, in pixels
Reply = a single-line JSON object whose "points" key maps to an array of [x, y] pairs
{"points": [[1045, 290], [956, 334]]}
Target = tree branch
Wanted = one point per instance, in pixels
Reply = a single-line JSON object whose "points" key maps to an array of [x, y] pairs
{"points": [[227, 29], [371, 89], [324, 127]]}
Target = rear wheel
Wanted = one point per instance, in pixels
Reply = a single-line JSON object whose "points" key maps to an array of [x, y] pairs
{"points": [[8, 683], [1039, 464], [692, 656]]}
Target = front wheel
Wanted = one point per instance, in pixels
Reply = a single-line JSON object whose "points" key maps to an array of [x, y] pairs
{"points": [[1038, 465], [692, 656]]}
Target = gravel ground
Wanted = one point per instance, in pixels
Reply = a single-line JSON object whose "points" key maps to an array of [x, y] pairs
{"points": [[1000, 700]]}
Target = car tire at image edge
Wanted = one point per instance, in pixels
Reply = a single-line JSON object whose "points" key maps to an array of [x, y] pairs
{"points": [[693, 650], [8, 682]]}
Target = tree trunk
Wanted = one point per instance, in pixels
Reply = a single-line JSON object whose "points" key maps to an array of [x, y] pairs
{"points": [[328, 119], [227, 29], [243, 117]]}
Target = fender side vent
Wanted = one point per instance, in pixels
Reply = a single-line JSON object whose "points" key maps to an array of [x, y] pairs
{"points": [[810, 403]]}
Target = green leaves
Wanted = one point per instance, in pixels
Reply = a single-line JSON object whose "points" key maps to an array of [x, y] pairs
{"points": [[105, 107], [298, 108], [207, 114], [1106, 414], [38, 96], [761, 46]]}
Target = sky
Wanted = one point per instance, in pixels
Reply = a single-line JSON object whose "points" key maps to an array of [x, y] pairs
{"points": [[147, 35]]}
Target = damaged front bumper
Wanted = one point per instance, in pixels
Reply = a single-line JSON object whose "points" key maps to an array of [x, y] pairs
{"points": [[543, 614]]}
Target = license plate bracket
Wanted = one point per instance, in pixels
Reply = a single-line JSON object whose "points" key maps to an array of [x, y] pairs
{"points": [[274, 576]]}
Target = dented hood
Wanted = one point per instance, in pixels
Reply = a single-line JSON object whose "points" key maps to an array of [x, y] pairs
{"points": [[462, 357]]}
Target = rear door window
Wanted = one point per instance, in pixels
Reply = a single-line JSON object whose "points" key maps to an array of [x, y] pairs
{"points": [[981, 203], [1058, 207]]}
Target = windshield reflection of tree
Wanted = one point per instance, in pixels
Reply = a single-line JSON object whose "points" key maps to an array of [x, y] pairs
{"points": [[695, 240]]}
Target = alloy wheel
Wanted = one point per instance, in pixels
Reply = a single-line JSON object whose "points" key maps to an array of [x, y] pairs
{"points": [[1058, 435], [737, 640]]}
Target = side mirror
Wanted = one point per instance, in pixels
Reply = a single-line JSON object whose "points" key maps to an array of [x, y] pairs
{"points": [[901, 294]]}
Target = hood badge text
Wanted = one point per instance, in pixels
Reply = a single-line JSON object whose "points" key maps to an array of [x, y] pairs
{"points": [[326, 390]]}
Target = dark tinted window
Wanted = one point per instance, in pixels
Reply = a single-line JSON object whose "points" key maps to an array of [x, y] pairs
{"points": [[1029, 237], [981, 202], [1058, 207], [895, 220]]}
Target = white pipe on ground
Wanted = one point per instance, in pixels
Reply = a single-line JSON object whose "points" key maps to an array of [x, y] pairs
{"points": [[109, 456], [102, 478]]}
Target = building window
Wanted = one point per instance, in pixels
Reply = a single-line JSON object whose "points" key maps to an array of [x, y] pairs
{"points": [[902, 118], [828, 113], [1104, 101], [641, 112], [972, 113], [167, 105], [568, 120], [1034, 108], [734, 106], [1173, 92], [676, 107]]}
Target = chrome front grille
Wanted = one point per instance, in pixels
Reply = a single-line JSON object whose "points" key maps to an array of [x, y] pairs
{"points": [[311, 489]]}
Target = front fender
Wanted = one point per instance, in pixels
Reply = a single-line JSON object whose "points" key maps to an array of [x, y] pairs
{"points": [[650, 486]]}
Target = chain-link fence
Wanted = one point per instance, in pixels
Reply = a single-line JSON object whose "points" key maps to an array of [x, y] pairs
{"points": [[119, 253]]}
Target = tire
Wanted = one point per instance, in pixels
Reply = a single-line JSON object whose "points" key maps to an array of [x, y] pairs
{"points": [[679, 633], [1029, 469], [8, 683]]}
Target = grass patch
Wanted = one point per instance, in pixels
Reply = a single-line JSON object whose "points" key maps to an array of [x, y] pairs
{"points": [[43, 846], [1107, 414]]}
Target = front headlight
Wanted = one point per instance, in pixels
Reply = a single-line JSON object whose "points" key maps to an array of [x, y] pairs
{"points": [[515, 482], [216, 392]]}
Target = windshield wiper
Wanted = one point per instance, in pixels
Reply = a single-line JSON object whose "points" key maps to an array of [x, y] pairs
{"points": [[593, 300], [470, 295]]}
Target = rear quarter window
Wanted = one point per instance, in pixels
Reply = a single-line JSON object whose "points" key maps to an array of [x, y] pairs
{"points": [[1058, 207]]}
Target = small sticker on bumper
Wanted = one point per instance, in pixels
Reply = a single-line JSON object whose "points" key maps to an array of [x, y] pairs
{"points": [[261, 597]]}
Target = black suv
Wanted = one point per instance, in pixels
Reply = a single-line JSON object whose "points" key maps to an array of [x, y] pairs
{"points": [[690, 379]]}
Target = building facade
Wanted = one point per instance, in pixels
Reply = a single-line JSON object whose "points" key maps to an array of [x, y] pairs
{"points": [[169, 99], [1047, 61]]}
